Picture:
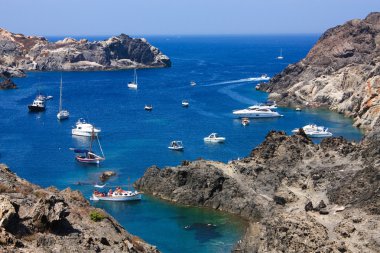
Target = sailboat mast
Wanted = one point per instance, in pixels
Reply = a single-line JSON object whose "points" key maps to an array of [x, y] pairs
{"points": [[60, 96], [92, 138], [135, 77]]}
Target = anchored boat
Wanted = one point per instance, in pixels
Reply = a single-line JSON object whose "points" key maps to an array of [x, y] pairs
{"points": [[176, 145], [117, 195], [214, 138], [256, 112], [133, 84], [82, 128], [37, 106], [62, 114], [314, 131]]}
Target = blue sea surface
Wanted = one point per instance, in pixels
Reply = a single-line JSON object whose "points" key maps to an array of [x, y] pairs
{"points": [[36, 145]]}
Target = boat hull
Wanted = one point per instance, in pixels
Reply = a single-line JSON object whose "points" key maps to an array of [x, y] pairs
{"points": [[88, 160], [213, 140], [176, 149], [83, 133], [257, 115], [117, 199], [36, 108], [63, 115]]}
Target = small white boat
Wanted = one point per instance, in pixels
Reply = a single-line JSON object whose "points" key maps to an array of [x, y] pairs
{"points": [[62, 114], [264, 77], [48, 97], [280, 57], [82, 128], [133, 84], [257, 86], [192, 83], [185, 103], [298, 109], [245, 121], [176, 145], [215, 138], [256, 112], [117, 195], [148, 107], [87, 155], [314, 131]]}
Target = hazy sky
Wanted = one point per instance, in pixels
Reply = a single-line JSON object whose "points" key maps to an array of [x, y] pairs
{"points": [[139, 17]]}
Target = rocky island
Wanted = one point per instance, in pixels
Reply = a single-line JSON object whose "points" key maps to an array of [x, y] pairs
{"points": [[341, 72], [298, 196], [33, 219], [20, 53]]}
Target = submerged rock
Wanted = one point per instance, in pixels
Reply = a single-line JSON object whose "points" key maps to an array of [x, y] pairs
{"points": [[106, 175], [7, 84]]}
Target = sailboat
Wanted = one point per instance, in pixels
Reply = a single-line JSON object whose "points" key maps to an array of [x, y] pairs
{"points": [[87, 155], [62, 114], [133, 84], [280, 57]]}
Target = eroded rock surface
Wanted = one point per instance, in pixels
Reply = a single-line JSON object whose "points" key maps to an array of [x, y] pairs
{"points": [[33, 219]]}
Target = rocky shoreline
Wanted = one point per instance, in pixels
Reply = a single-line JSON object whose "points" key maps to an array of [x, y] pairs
{"points": [[33, 219], [297, 196], [341, 72], [20, 53]]}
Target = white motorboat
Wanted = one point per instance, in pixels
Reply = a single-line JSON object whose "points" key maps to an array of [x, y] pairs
{"points": [[264, 77], [280, 57], [314, 131], [192, 83], [176, 145], [245, 121], [82, 128], [117, 195], [37, 106], [87, 155], [255, 112], [267, 105], [133, 84], [298, 109], [62, 114], [215, 138], [148, 107], [185, 103]]}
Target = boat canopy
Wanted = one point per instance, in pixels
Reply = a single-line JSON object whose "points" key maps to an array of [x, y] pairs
{"points": [[81, 151]]}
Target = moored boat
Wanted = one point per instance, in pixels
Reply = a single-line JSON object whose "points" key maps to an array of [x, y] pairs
{"points": [[245, 121], [214, 138], [62, 114], [87, 155], [148, 107], [176, 145], [256, 112], [117, 195], [82, 128], [37, 106], [133, 84], [314, 131], [192, 83], [185, 103]]}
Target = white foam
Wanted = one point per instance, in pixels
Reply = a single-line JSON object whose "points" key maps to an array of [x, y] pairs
{"points": [[244, 80]]}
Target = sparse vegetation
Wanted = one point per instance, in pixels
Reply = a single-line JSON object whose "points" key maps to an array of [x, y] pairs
{"points": [[96, 216]]}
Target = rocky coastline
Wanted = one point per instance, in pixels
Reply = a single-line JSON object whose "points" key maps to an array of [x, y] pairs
{"points": [[33, 219], [20, 53], [341, 72], [296, 195]]}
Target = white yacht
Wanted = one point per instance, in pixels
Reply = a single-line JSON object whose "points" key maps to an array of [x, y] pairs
{"points": [[176, 145], [267, 105], [192, 83], [148, 108], [215, 138], [256, 112], [314, 131], [82, 128], [37, 106], [185, 103], [62, 114], [133, 84]]}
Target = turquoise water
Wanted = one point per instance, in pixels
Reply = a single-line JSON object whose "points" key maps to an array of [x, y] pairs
{"points": [[36, 146]]}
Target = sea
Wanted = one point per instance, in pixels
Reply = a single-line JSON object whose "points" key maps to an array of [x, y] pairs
{"points": [[226, 69]]}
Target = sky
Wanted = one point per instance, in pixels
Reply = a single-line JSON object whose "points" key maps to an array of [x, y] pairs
{"points": [[179, 17]]}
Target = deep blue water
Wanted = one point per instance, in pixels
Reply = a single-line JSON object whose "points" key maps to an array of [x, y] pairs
{"points": [[36, 146]]}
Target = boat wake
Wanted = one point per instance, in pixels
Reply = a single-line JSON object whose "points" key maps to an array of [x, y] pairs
{"points": [[244, 80]]}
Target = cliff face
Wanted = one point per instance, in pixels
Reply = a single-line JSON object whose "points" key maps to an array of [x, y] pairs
{"points": [[26, 53], [33, 219], [297, 196], [341, 72]]}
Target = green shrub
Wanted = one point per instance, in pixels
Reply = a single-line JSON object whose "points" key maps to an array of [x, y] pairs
{"points": [[96, 216]]}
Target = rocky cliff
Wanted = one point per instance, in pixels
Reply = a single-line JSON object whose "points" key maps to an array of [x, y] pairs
{"points": [[341, 72], [27, 53], [33, 219], [296, 195]]}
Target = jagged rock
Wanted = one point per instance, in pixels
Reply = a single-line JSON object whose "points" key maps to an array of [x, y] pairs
{"points": [[345, 229], [323, 211], [28, 53], [309, 206], [279, 200], [8, 214], [7, 84]]}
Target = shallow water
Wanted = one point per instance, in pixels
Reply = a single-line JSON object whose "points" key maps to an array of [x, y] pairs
{"points": [[36, 146]]}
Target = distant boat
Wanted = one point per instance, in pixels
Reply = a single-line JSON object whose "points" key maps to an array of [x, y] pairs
{"points": [[176, 145], [192, 83], [185, 103], [298, 109], [87, 155], [215, 138], [280, 57], [37, 106], [245, 121], [62, 114], [82, 128], [314, 131], [133, 84], [148, 107]]}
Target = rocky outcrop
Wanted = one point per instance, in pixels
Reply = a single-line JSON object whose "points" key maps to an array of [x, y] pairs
{"points": [[297, 196], [7, 84], [31, 53], [341, 72], [33, 219]]}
